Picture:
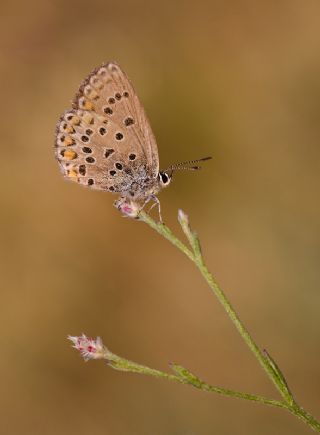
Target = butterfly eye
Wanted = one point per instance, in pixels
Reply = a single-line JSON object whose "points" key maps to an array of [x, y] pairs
{"points": [[165, 179]]}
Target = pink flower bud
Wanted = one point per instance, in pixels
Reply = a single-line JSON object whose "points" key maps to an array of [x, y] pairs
{"points": [[89, 348], [128, 208]]}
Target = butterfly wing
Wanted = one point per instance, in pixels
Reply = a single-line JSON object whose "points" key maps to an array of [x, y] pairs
{"points": [[105, 141]]}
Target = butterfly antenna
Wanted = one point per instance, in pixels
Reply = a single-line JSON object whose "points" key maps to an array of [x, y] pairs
{"points": [[186, 165]]}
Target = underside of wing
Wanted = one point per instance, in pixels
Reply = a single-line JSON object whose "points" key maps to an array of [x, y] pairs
{"points": [[105, 141]]}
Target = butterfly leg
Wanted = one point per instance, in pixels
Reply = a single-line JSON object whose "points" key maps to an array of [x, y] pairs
{"points": [[156, 203]]}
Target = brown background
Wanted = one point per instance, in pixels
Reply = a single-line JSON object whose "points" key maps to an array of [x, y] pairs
{"points": [[236, 79]]}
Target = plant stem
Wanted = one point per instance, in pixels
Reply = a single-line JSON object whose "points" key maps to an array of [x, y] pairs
{"points": [[240, 326], [198, 260], [305, 417], [183, 376], [264, 359]]}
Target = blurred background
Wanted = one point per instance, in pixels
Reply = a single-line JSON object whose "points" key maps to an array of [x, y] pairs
{"points": [[238, 80]]}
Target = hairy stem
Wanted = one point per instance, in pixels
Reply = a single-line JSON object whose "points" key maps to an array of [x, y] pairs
{"points": [[199, 261], [183, 376], [267, 363]]}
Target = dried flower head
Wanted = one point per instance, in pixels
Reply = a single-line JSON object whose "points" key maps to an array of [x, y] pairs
{"points": [[128, 208], [89, 348]]}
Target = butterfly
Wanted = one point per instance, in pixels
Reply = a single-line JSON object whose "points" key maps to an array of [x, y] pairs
{"points": [[105, 141]]}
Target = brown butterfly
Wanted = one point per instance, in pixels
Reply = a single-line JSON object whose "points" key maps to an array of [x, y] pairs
{"points": [[105, 141]]}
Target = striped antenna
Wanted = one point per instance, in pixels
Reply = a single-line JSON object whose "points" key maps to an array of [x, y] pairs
{"points": [[186, 165]]}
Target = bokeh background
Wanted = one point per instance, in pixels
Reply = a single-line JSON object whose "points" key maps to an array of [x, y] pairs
{"points": [[238, 80]]}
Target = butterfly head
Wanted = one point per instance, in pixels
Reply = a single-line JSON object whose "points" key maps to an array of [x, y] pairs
{"points": [[165, 177]]}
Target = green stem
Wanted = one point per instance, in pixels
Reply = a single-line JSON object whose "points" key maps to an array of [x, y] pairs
{"points": [[239, 325], [265, 360], [307, 418], [198, 260], [125, 365], [187, 378]]}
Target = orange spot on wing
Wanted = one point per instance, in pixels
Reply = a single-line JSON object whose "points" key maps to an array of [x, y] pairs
{"points": [[72, 173], [69, 154], [88, 105], [68, 141]]}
